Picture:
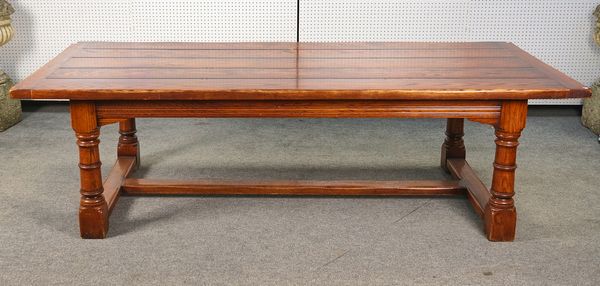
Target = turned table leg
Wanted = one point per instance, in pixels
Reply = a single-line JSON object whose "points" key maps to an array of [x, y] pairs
{"points": [[93, 209], [128, 141], [500, 215], [454, 146]]}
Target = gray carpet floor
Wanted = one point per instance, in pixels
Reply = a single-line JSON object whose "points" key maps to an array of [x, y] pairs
{"points": [[299, 241]]}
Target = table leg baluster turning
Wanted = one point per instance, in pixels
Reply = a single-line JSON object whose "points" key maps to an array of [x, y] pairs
{"points": [[454, 146], [500, 213], [93, 209], [128, 142]]}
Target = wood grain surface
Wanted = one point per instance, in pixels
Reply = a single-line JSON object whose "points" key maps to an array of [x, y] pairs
{"points": [[291, 71], [296, 188], [111, 83]]}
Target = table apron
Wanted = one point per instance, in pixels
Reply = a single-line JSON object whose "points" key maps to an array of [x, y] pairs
{"points": [[108, 111]]}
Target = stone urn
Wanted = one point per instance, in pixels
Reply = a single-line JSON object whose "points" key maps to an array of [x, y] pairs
{"points": [[10, 109], [591, 106]]}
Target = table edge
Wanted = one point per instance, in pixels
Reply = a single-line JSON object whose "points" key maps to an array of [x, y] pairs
{"points": [[19, 93]]}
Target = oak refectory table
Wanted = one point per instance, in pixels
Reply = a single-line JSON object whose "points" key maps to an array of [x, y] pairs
{"points": [[486, 82]]}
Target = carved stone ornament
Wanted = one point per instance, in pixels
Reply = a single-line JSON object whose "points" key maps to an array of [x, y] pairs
{"points": [[10, 109], [6, 9], [6, 30], [591, 106], [597, 33]]}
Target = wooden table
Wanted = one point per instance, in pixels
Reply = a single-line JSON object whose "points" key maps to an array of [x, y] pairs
{"points": [[486, 82]]}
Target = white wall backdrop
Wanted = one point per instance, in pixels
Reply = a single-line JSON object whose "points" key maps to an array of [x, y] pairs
{"points": [[556, 31]]}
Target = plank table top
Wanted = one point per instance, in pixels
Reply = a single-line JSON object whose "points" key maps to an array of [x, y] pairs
{"points": [[297, 71]]}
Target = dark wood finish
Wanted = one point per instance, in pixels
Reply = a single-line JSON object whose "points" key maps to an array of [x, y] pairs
{"points": [[112, 185], [128, 142], [291, 71], [93, 210], [454, 146], [301, 188], [111, 83], [116, 110], [478, 194], [550, 72], [500, 214]]}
